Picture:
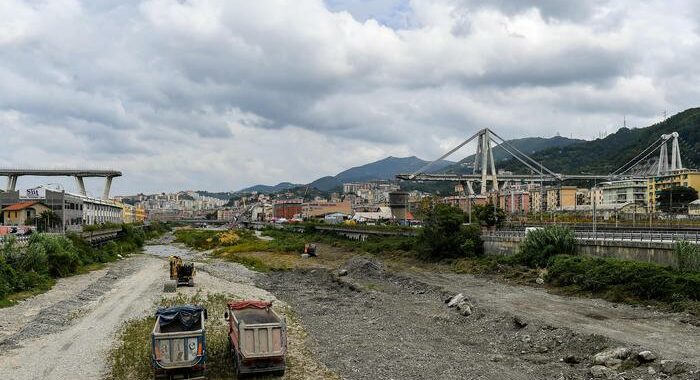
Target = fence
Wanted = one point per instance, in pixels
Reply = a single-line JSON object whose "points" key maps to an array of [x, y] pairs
{"points": [[635, 236]]}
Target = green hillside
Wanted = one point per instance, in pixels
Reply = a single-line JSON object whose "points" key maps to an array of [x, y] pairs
{"points": [[602, 156]]}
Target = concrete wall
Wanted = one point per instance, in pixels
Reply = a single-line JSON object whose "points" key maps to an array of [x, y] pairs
{"points": [[650, 252]]}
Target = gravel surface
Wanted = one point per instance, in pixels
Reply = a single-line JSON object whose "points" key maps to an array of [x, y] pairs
{"points": [[371, 324], [67, 332], [70, 339]]}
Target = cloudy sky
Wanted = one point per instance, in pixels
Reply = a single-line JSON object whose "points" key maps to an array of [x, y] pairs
{"points": [[222, 94]]}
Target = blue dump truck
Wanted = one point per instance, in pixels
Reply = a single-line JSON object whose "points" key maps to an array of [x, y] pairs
{"points": [[178, 344]]}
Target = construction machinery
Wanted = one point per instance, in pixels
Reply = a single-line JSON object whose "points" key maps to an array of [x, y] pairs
{"points": [[181, 274]]}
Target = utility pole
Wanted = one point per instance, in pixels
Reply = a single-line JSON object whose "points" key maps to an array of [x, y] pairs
{"points": [[595, 200]]}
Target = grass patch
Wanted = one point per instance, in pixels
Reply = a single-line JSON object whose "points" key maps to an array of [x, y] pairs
{"points": [[131, 357], [14, 298]]}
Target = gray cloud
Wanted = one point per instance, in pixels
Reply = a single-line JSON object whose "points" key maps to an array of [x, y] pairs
{"points": [[223, 94]]}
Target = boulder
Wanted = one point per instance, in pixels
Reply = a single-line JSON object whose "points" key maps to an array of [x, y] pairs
{"points": [[602, 372], [519, 322], [612, 357], [465, 308], [646, 356], [672, 367], [571, 359], [456, 300], [539, 280], [343, 272]]}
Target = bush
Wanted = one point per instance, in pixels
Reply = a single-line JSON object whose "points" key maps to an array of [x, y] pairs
{"points": [[539, 245], [444, 234], [61, 255], [641, 280], [688, 256]]}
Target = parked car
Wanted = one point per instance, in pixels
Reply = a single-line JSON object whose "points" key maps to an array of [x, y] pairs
{"points": [[178, 343], [258, 338]]}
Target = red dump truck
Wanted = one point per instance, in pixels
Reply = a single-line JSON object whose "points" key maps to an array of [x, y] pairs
{"points": [[258, 338]]}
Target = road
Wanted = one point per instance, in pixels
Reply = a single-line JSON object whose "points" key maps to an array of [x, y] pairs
{"points": [[76, 344]]}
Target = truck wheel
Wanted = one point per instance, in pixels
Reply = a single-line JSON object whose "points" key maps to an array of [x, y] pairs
{"points": [[279, 373], [170, 286]]}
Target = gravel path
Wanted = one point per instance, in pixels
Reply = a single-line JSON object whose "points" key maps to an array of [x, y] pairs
{"points": [[70, 339], [67, 332]]}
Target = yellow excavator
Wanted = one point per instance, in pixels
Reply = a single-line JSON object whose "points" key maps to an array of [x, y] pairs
{"points": [[181, 274]]}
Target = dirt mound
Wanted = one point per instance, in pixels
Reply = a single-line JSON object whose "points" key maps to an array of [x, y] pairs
{"points": [[364, 266]]}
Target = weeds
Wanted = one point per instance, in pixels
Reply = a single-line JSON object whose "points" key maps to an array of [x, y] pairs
{"points": [[688, 256]]}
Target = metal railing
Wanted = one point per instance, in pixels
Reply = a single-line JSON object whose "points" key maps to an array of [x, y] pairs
{"points": [[632, 236]]}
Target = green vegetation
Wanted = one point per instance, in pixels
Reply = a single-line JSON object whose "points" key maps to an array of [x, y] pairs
{"points": [[618, 279], [539, 245], [605, 155], [445, 234], [488, 215], [31, 268], [688, 256]]}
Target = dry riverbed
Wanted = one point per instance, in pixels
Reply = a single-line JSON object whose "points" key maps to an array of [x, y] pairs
{"points": [[349, 317]]}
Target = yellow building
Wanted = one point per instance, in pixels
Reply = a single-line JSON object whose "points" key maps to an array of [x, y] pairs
{"points": [[559, 198], [19, 214], [535, 200], [132, 214], [682, 177]]}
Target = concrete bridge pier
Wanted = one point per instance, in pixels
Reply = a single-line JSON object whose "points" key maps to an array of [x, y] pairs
{"points": [[108, 186], [12, 182], [81, 185]]}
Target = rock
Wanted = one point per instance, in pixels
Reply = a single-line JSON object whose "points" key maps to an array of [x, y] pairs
{"points": [[571, 359], [651, 371], [343, 272], [497, 358], [464, 308], [304, 255], [604, 357], [456, 300], [541, 349], [518, 322], [526, 339], [646, 356], [601, 372], [539, 280], [672, 367], [613, 362]]}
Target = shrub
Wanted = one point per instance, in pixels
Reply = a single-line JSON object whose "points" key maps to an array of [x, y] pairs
{"points": [[641, 280], [540, 245], [444, 234], [688, 256]]}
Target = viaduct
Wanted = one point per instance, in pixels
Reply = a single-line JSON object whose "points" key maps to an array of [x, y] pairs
{"points": [[13, 174]]}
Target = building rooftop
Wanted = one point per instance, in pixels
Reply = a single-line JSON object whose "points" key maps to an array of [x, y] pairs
{"points": [[20, 206]]}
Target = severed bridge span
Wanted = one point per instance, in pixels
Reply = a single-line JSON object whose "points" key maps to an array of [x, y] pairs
{"points": [[79, 175], [484, 167]]}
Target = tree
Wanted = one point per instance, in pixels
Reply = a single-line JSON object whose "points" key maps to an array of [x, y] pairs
{"points": [[445, 234], [675, 199], [46, 221], [489, 215]]}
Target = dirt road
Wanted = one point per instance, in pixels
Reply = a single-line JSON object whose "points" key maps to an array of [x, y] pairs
{"points": [[70, 338], [68, 332]]}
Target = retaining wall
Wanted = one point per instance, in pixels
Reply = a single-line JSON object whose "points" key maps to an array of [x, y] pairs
{"points": [[651, 252]]}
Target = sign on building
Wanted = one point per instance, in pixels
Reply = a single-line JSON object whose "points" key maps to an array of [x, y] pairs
{"points": [[35, 193]]}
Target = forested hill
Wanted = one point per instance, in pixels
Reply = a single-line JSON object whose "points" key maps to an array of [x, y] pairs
{"points": [[602, 156]]}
